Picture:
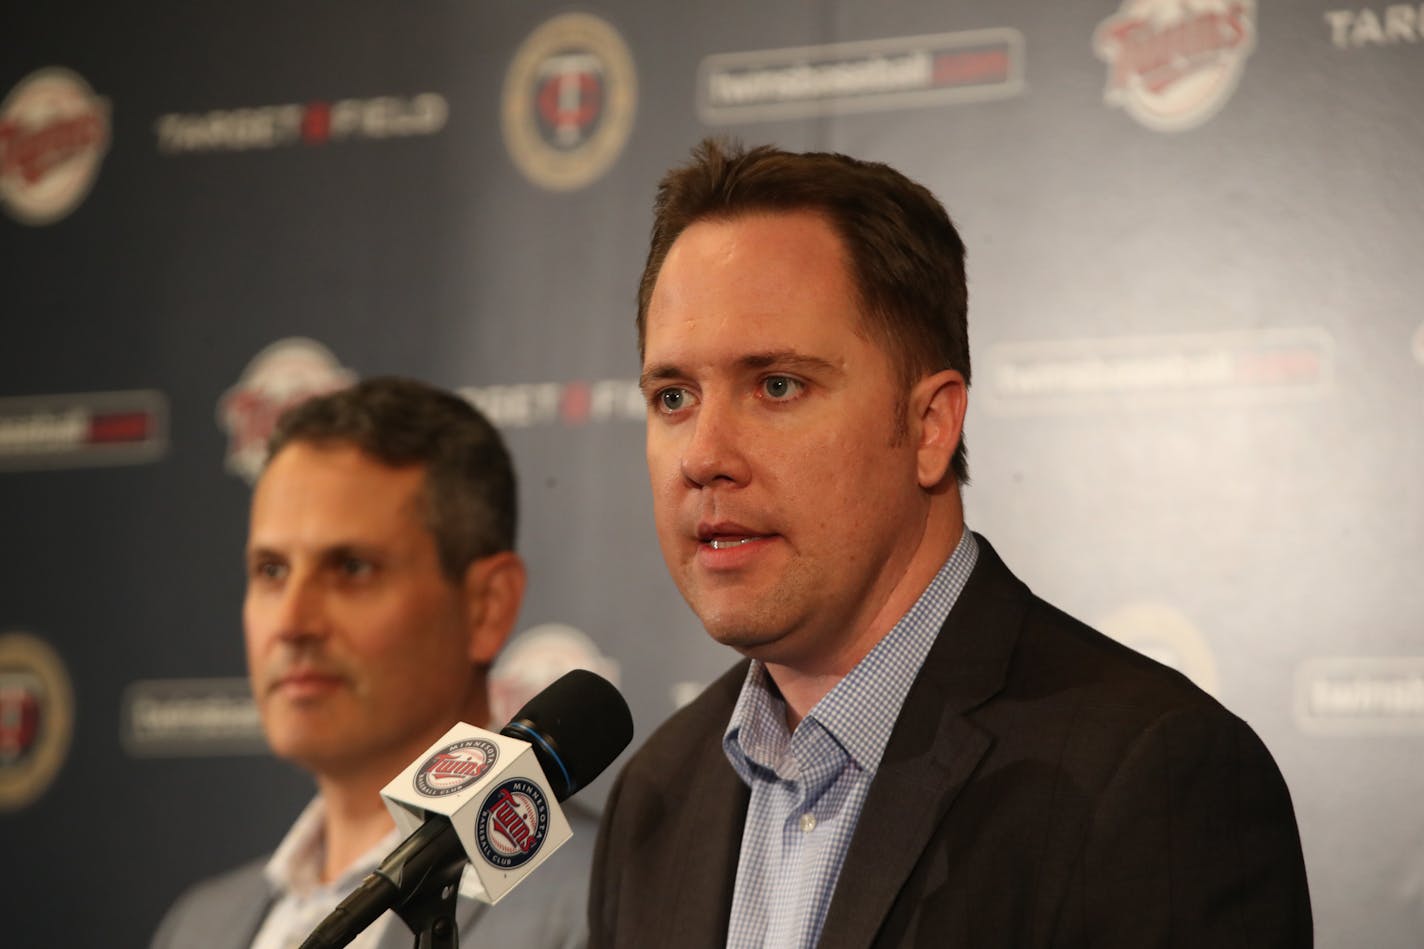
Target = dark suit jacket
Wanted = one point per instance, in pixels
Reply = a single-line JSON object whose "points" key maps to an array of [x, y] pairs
{"points": [[545, 911], [1043, 786]]}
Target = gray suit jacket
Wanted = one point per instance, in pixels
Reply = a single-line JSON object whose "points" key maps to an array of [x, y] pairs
{"points": [[1043, 787], [546, 911]]}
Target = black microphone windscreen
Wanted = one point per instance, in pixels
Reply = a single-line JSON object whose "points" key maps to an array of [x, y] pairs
{"points": [[577, 726]]}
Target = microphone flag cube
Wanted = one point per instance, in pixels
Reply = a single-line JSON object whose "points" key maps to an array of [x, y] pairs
{"points": [[494, 793]]}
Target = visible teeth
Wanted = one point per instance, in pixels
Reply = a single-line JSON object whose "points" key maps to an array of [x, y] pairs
{"points": [[719, 544]]}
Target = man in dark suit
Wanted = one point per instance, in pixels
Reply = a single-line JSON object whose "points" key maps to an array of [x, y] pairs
{"points": [[381, 582], [917, 751]]}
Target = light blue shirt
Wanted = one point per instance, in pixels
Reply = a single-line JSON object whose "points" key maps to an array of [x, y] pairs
{"points": [[808, 786]]}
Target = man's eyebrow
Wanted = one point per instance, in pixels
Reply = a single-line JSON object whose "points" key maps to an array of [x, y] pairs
{"points": [[787, 359], [260, 552], [658, 373]]}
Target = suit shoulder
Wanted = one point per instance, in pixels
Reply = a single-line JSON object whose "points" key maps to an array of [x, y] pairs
{"points": [[571, 861], [212, 904], [1058, 651], [691, 730]]}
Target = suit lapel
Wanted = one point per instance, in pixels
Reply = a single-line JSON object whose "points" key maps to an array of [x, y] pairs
{"points": [[932, 752], [705, 855], [247, 907]]}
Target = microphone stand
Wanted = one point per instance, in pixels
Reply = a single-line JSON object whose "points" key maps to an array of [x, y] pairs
{"points": [[430, 910], [426, 867]]}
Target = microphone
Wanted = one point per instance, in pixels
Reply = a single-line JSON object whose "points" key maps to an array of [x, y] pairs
{"points": [[483, 799]]}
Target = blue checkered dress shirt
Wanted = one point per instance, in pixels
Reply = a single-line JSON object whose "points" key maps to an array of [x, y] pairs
{"points": [[807, 787]]}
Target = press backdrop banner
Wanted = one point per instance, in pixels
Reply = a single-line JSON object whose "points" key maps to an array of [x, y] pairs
{"points": [[1197, 422]]}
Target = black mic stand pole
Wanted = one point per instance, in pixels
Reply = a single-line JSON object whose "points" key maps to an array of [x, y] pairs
{"points": [[430, 910]]}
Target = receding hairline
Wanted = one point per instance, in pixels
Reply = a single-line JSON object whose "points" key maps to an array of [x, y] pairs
{"points": [[417, 504], [867, 326], [768, 212], [421, 504]]}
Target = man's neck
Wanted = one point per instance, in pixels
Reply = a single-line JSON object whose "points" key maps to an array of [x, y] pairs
{"points": [[355, 821], [803, 687], [356, 816]]}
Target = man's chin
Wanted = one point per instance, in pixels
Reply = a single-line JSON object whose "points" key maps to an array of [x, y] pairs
{"points": [[748, 638], [297, 732], [312, 752]]}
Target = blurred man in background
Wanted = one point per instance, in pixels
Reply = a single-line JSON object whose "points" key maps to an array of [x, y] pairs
{"points": [[917, 751], [381, 583]]}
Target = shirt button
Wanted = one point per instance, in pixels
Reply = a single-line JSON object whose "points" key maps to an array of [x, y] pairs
{"points": [[808, 823]]}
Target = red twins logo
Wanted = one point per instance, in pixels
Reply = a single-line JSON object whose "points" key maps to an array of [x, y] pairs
{"points": [[286, 372], [19, 716], [54, 132], [456, 767], [512, 823], [1173, 63]]}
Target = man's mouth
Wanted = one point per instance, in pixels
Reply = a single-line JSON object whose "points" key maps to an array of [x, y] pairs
{"points": [[728, 535], [725, 543], [305, 680]]}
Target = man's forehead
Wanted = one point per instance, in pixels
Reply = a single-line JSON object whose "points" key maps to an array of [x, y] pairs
{"points": [[761, 268], [727, 234], [329, 488], [337, 462], [750, 340]]}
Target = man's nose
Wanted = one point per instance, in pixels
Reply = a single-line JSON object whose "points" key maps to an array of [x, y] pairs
{"points": [[301, 609], [715, 450]]}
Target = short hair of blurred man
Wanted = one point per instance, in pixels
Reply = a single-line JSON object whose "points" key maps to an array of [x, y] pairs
{"points": [[470, 494]]}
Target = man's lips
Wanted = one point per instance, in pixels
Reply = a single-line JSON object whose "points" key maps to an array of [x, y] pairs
{"points": [[725, 543], [725, 535], [304, 681], [727, 546]]}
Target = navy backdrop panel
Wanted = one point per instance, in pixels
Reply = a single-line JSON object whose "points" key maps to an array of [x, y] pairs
{"points": [[1197, 418]]}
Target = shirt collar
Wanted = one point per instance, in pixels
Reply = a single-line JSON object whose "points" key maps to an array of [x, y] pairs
{"points": [[295, 866], [860, 711]]}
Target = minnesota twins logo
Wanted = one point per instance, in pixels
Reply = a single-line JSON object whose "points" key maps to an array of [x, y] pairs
{"points": [[569, 99], [512, 824], [286, 372], [1173, 64], [456, 766], [54, 132], [20, 698], [36, 718]]}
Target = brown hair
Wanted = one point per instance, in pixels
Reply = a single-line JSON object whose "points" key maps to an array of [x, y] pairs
{"points": [[907, 260], [470, 502]]}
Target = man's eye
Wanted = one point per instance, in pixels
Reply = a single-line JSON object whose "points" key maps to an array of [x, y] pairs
{"points": [[672, 399], [269, 570], [356, 567], [781, 387]]}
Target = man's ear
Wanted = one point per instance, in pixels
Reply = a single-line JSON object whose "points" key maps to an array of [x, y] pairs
{"points": [[937, 406], [493, 590]]}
